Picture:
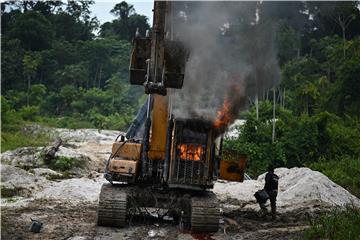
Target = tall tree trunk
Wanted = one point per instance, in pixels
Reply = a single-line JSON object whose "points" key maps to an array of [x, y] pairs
{"points": [[100, 76], [274, 107], [96, 73], [257, 106], [307, 105], [28, 90], [344, 40], [284, 99]]}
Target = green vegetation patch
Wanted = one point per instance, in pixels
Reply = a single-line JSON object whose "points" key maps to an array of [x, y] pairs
{"points": [[338, 224], [15, 139], [65, 163]]}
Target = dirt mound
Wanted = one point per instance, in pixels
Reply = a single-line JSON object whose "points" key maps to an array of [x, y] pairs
{"points": [[299, 188]]}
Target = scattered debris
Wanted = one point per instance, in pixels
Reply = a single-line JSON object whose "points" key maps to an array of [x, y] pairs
{"points": [[158, 233], [36, 226]]}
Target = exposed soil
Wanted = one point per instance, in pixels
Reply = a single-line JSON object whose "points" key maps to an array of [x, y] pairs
{"points": [[67, 207], [76, 220]]}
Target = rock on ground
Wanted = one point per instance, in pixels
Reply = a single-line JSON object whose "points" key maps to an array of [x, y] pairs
{"points": [[18, 182], [87, 135], [25, 157], [75, 189], [46, 172]]}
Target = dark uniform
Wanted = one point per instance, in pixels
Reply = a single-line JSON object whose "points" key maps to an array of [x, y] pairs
{"points": [[271, 188]]}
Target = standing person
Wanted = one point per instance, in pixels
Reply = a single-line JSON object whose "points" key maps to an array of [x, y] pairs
{"points": [[271, 188]]}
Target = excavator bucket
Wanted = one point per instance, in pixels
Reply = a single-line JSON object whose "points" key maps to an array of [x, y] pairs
{"points": [[173, 69], [138, 65], [175, 56]]}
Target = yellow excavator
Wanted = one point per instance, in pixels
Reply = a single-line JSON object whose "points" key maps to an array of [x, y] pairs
{"points": [[164, 166]]}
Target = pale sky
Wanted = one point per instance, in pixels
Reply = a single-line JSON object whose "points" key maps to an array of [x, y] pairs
{"points": [[101, 9]]}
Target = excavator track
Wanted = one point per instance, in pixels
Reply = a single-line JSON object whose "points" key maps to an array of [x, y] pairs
{"points": [[112, 207], [205, 213]]}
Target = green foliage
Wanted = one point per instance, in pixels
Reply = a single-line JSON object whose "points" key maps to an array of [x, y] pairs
{"points": [[75, 74], [288, 44], [63, 76], [13, 121], [123, 10], [29, 113], [338, 224], [33, 29], [300, 140], [8, 114], [125, 26], [11, 140], [65, 163], [38, 94], [11, 62], [71, 122], [31, 62]]}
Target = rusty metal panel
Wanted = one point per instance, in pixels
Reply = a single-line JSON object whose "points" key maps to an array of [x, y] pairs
{"points": [[125, 167], [233, 169], [191, 153], [130, 151]]}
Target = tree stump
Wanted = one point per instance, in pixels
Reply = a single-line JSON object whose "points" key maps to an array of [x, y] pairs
{"points": [[50, 151]]}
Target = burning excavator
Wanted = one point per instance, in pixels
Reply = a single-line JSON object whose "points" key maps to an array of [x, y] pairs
{"points": [[165, 165]]}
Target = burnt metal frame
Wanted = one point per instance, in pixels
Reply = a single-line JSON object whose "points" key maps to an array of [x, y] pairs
{"points": [[204, 180]]}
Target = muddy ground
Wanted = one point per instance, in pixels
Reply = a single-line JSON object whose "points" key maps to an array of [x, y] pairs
{"points": [[68, 220], [67, 207]]}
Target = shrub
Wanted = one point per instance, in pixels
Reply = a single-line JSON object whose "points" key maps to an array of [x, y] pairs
{"points": [[338, 224], [29, 113], [65, 163]]}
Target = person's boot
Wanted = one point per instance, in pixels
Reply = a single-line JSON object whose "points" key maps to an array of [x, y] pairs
{"points": [[273, 213]]}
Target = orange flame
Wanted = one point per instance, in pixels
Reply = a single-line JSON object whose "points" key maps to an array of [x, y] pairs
{"points": [[224, 116], [190, 152], [230, 109]]}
